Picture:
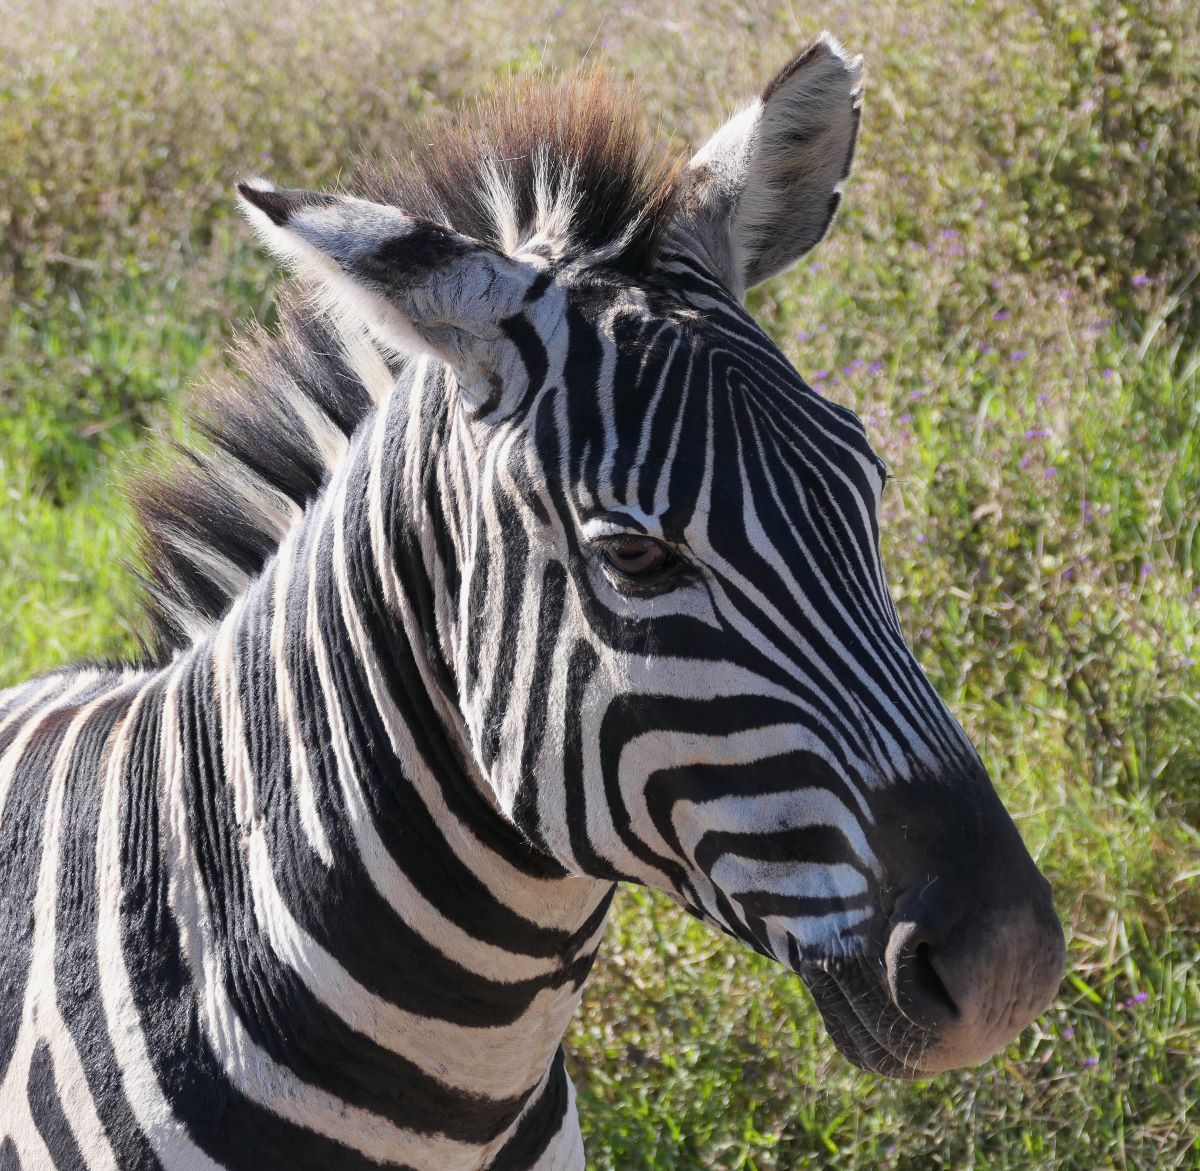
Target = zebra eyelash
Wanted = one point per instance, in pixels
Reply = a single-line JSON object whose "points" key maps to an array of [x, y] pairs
{"points": [[676, 572]]}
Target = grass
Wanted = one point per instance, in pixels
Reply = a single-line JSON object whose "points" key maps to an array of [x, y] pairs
{"points": [[1008, 301]]}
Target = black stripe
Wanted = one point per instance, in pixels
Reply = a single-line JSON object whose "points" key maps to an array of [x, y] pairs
{"points": [[512, 555], [48, 1116], [540, 1124], [580, 669], [549, 623]]}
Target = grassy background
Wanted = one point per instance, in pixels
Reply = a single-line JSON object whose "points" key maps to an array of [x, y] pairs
{"points": [[1009, 299]]}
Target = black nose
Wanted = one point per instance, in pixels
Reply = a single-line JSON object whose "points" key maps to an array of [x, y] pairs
{"points": [[970, 971], [916, 985]]}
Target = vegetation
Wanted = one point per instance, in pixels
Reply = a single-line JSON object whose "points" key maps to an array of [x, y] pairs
{"points": [[1011, 301]]}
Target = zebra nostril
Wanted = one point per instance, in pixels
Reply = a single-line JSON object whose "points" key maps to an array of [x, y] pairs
{"points": [[917, 987]]}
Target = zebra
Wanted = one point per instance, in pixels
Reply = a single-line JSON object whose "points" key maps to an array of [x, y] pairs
{"points": [[516, 563]]}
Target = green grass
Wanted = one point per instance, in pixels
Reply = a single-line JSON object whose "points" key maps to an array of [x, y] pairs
{"points": [[1006, 300]]}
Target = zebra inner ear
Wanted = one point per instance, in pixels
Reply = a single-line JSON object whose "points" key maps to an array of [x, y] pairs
{"points": [[419, 287], [764, 189]]}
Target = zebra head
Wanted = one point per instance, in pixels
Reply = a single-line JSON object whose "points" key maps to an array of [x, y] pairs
{"points": [[653, 562]]}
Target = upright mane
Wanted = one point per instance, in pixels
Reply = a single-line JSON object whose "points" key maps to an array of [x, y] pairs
{"points": [[563, 163]]}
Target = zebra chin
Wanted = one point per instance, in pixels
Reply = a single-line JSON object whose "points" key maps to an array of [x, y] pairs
{"points": [[881, 1027], [868, 1030]]}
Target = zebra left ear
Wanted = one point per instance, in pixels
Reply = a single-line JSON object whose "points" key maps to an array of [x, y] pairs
{"points": [[764, 189], [416, 285]]}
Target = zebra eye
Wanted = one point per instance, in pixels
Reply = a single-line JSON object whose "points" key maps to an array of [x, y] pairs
{"points": [[637, 557]]}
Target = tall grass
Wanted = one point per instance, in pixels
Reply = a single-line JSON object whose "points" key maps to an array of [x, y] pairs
{"points": [[1007, 300]]}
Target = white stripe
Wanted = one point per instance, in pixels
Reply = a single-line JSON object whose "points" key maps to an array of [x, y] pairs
{"points": [[166, 1134], [306, 800], [734, 875], [30, 694], [15, 750]]}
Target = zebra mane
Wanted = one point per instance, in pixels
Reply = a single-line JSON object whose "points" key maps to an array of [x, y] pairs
{"points": [[567, 160], [564, 162]]}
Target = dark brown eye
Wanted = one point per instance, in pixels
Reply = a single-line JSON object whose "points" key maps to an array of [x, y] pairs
{"points": [[634, 556]]}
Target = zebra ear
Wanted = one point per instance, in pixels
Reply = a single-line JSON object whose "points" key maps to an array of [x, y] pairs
{"points": [[764, 189], [415, 284]]}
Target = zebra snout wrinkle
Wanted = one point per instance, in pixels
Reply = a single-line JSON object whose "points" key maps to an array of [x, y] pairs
{"points": [[970, 974]]}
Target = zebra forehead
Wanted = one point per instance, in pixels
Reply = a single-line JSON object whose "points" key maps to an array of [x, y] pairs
{"points": [[673, 381]]}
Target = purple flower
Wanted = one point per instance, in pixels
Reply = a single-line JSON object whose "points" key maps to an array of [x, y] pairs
{"points": [[1018, 355], [1091, 1062], [906, 418], [1067, 1033], [803, 335], [1025, 462], [1038, 433], [820, 374], [816, 266], [1068, 574], [1043, 397], [922, 539], [916, 395], [1147, 569], [1139, 280], [995, 283], [1109, 373], [1144, 145], [1000, 315], [1050, 473], [949, 234], [875, 367]]}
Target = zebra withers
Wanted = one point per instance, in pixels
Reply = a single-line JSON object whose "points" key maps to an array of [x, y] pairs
{"points": [[520, 563]]}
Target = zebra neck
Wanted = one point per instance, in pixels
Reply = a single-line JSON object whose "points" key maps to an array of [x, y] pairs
{"points": [[362, 926]]}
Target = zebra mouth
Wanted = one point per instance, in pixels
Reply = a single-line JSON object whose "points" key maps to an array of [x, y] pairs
{"points": [[860, 1018]]}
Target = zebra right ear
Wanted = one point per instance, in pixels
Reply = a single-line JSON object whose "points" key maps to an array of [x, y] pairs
{"points": [[764, 189], [415, 284]]}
